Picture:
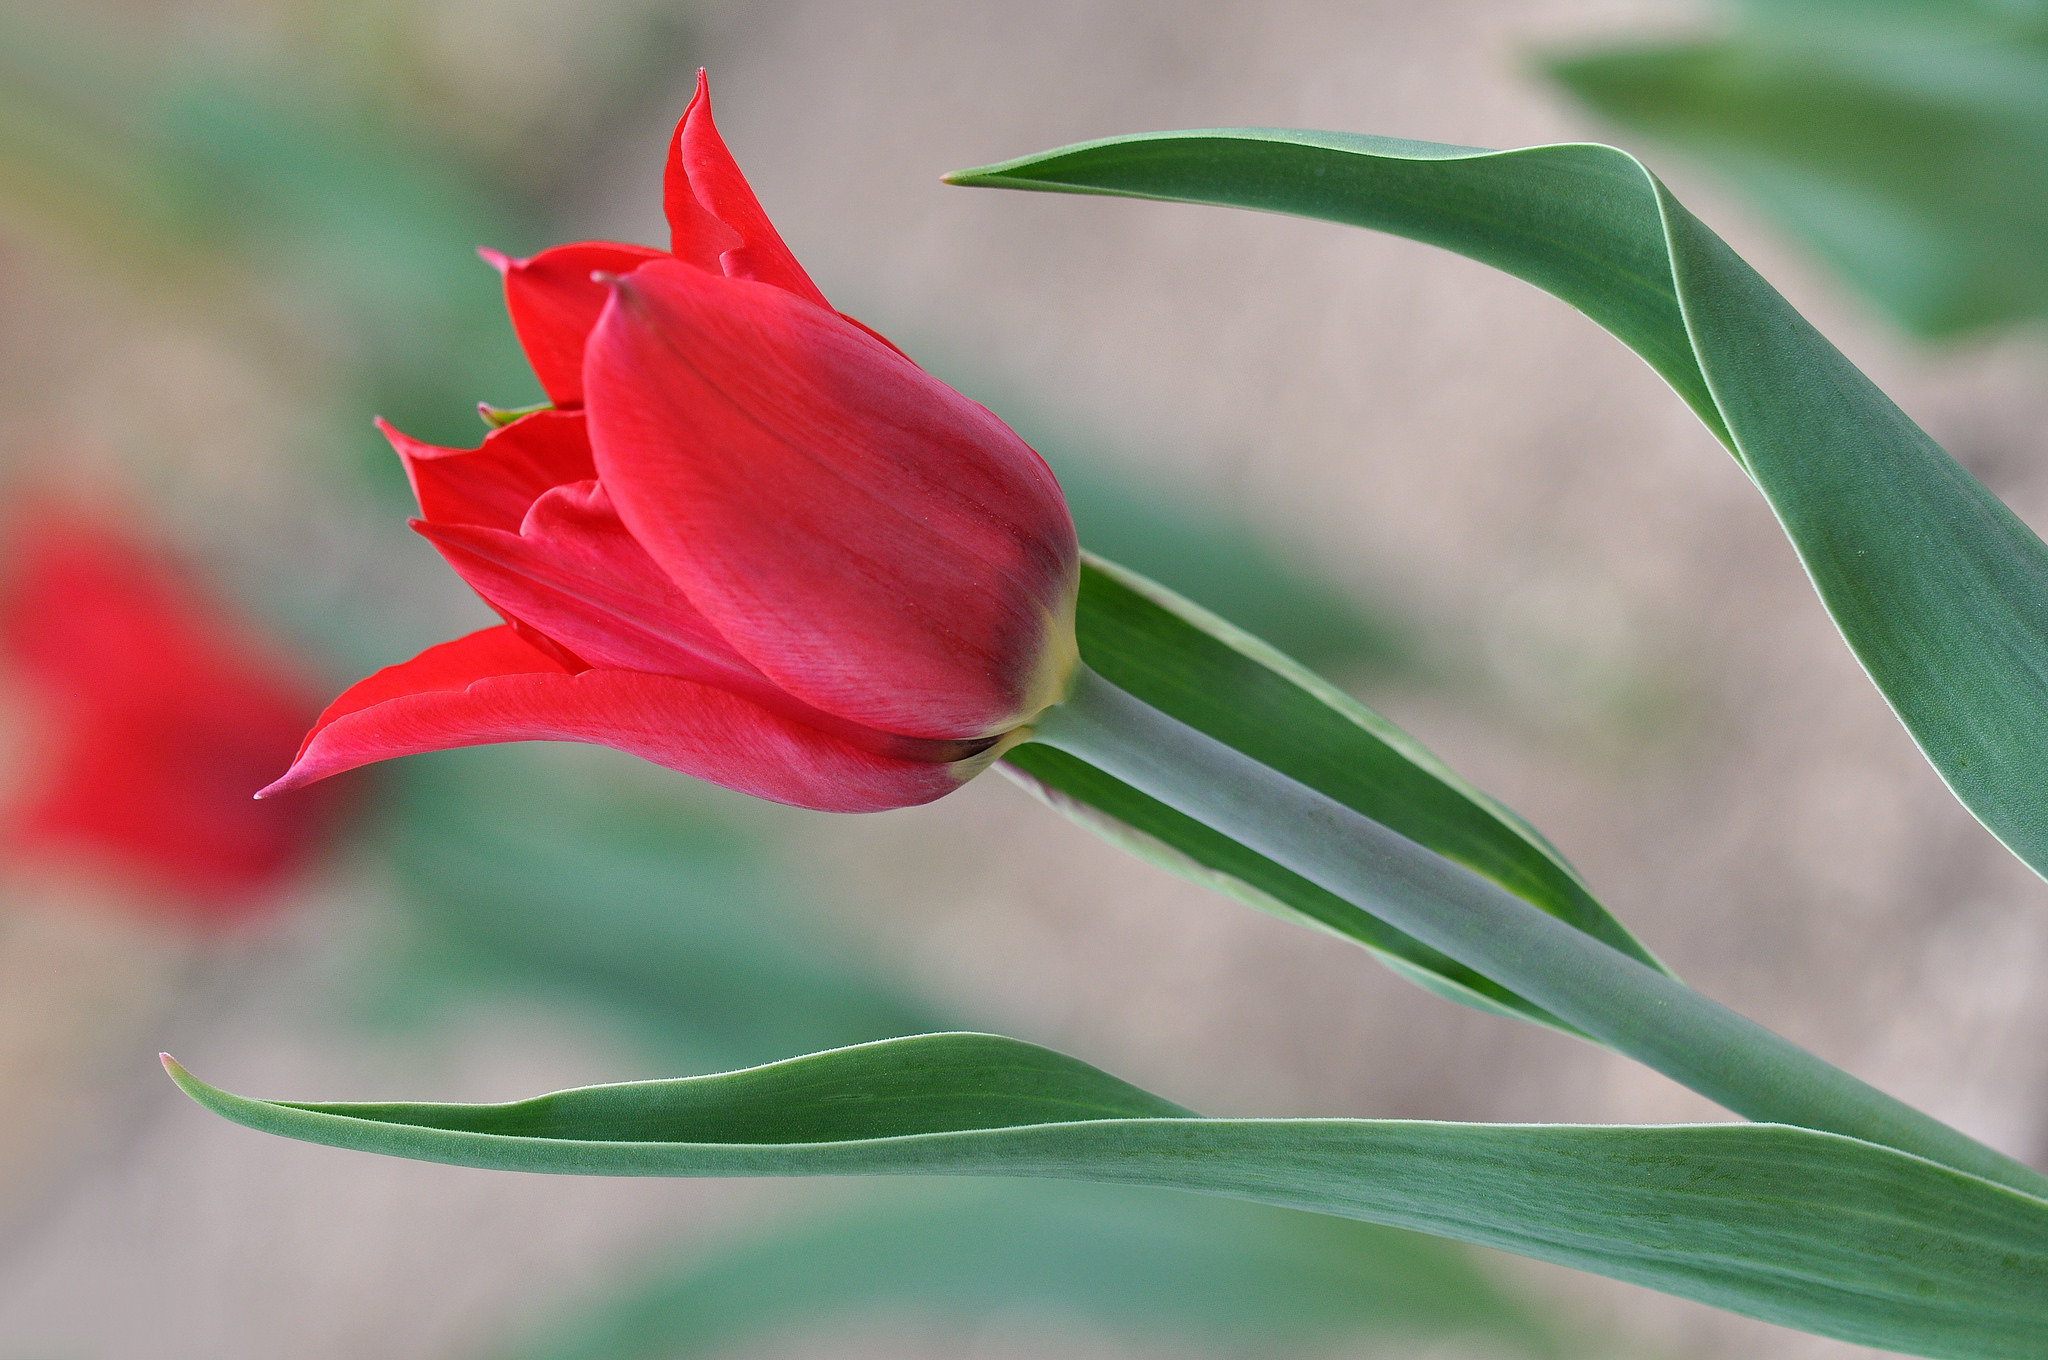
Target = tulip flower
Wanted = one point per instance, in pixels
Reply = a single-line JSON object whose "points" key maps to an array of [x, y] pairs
{"points": [[158, 716], [750, 540]]}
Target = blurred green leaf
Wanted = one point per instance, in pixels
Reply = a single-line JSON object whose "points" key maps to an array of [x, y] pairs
{"points": [[670, 913], [1806, 1229], [1223, 682], [1940, 590], [1903, 141], [1223, 1273], [374, 231], [1204, 557]]}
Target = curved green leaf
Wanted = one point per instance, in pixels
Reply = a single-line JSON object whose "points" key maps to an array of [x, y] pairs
{"points": [[1141, 1262], [1811, 1230], [1939, 589], [1219, 680]]}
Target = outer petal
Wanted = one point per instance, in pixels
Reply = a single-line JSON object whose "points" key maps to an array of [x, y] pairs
{"points": [[492, 687], [875, 543], [496, 484], [715, 222], [554, 304]]}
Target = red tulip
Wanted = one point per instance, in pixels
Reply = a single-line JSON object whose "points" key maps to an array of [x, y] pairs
{"points": [[159, 716], [752, 541]]}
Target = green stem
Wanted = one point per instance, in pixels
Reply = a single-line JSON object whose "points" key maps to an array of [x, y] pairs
{"points": [[1630, 1007]]}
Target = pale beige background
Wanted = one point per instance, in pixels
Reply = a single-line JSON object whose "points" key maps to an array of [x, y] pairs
{"points": [[1636, 664]]}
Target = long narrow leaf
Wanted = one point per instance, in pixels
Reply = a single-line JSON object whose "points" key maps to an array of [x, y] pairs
{"points": [[1939, 589], [1812, 1230], [1214, 677]]}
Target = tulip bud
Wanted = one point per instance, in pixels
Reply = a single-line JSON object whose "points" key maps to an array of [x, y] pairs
{"points": [[751, 541]]}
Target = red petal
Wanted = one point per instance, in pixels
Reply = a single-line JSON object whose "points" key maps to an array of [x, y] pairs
{"points": [[878, 545], [496, 484], [491, 687], [574, 573], [715, 222], [554, 303]]}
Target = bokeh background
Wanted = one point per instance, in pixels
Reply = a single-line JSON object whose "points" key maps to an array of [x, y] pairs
{"points": [[232, 230]]}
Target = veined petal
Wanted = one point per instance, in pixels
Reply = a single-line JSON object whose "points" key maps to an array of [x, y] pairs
{"points": [[492, 687], [875, 543], [496, 484], [554, 303], [715, 222]]}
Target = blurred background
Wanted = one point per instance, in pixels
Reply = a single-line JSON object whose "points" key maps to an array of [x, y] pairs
{"points": [[233, 230]]}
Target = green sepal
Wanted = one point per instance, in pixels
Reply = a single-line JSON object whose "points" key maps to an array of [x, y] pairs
{"points": [[498, 417]]}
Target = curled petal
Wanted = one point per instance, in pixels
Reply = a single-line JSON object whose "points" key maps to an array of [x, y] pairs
{"points": [[492, 687], [574, 573], [554, 304], [496, 484], [715, 222], [875, 543]]}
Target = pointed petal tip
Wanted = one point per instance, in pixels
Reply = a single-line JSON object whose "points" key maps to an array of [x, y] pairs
{"points": [[284, 783], [496, 259], [425, 529]]}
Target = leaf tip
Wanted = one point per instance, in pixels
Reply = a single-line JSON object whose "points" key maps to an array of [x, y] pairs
{"points": [[187, 1083], [996, 175]]}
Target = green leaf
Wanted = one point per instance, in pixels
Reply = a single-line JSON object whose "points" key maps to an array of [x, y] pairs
{"points": [[1190, 664], [1139, 1262], [1905, 143], [1807, 1229], [1940, 590]]}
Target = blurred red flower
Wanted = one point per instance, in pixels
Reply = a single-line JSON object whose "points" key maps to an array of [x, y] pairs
{"points": [[751, 541], [157, 716]]}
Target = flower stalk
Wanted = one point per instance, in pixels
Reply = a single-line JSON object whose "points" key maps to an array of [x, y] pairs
{"points": [[1614, 999]]}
